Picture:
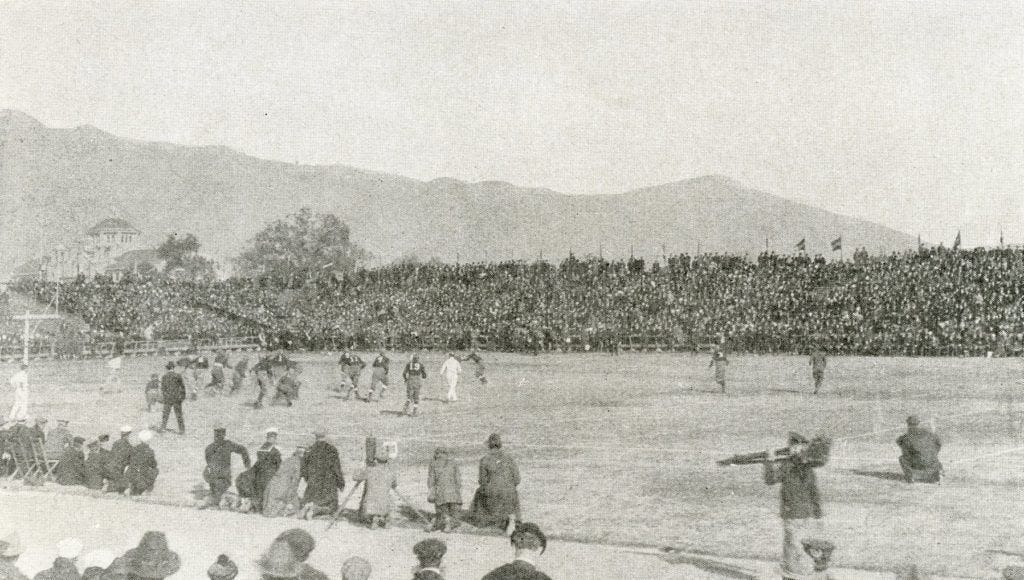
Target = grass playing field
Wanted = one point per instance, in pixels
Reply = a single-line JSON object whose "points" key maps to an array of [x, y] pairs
{"points": [[623, 449]]}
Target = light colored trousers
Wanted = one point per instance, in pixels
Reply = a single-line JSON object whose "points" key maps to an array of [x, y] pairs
{"points": [[19, 410], [795, 562], [452, 380]]}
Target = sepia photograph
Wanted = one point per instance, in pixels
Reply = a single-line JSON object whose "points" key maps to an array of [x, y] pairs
{"points": [[512, 290]]}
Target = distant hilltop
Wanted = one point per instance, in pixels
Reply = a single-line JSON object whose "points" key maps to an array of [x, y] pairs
{"points": [[55, 183]]}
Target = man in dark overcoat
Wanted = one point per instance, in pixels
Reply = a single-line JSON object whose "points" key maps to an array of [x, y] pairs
{"points": [[117, 461], [920, 453], [218, 464], [172, 390], [142, 468], [321, 468], [70, 469]]}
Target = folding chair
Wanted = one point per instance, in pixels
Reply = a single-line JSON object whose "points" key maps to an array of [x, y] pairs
{"points": [[44, 463], [24, 462]]}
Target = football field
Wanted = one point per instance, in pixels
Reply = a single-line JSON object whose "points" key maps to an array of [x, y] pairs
{"points": [[622, 449]]}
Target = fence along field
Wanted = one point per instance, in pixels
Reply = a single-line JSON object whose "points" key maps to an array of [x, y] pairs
{"points": [[623, 449]]}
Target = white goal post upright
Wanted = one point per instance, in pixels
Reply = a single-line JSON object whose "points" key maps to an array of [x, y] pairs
{"points": [[27, 333]]}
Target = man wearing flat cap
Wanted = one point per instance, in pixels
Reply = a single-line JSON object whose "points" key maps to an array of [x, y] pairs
{"points": [[920, 453], [800, 504], [321, 468], [172, 391], [218, 464], [429, 554], [529, 543]]}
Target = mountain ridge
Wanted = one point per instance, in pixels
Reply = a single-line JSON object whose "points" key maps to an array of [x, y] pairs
{"points": [[58, 182]]}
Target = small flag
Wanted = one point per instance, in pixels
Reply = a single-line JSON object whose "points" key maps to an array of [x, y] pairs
{"points": [[837, 244], [802, 244], [956, 242]]}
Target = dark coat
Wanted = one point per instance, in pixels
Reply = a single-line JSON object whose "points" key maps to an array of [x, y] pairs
{"points": [[218, 458], [380, 479], [172, 388], [426, 575], [444, 482], [117, 459], [920, 448], [142, 468], [321, 468], [798, 496], [71, 468], [497, 497], [96, 468], [62, 569], [516, 570]]}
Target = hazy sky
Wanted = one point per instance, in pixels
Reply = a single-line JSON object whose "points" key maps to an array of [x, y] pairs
{"points": [[909, 114]]}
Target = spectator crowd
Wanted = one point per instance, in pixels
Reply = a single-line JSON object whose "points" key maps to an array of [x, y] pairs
{"points": [[931, 302]]}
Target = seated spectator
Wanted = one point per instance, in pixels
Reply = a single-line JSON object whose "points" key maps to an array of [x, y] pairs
{"points": [[96, 465], [142, 468], [10, 550], [302, 544], [58, 439], [279, 562], [920, 457], [355, 568], [529, 543], [152, 558], [222, 569], [429, 553], [95, 563], [64, 567], [71, 468]]}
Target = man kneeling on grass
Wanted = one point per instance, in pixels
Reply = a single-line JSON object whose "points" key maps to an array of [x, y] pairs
{"points": [[920, 457]]}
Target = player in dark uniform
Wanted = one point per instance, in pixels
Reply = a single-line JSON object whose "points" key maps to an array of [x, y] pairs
{"points": [[351, 367], [818, 363], [380, 377], [479, 370], [413, 374], [264, 379]]}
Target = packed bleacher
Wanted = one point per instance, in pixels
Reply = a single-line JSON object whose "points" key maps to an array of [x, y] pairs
{"points": [[932, 302]]}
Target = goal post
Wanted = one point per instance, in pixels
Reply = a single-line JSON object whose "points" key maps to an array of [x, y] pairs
{"points": [[26, 335]]}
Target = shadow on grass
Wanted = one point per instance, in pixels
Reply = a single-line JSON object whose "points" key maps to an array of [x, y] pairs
{"points": [[711, 566], [884, 475]]}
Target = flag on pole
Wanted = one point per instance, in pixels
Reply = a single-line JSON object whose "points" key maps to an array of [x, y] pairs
{"points": [[802, 244], [956, 242], [837, 244]]}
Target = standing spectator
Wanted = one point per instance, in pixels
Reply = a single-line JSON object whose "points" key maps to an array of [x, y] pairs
{"points": [[356, 568], [496, 502], [818, 363], [413, 375], [379, 378], [70, 469], [321, 468], [302, 545], [152, 558], [444, 490], [172, 388], [142, 468], [282, 494], [429, 554], [380, 479], [720, 362], [268, 461], [920, 453], [218, 464], [800, 504], [450, 370], [529, 543], [117, 461], [19, 384]]}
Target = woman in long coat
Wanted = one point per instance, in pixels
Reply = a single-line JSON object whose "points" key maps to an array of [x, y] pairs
{"points": [[321, 468], [496, 502], [380, 478], [282, 494], [444, 490]]}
